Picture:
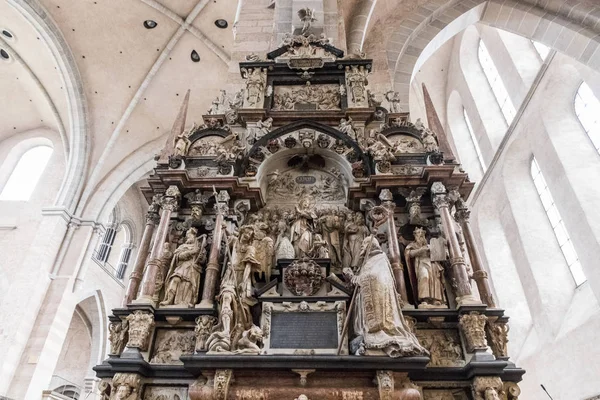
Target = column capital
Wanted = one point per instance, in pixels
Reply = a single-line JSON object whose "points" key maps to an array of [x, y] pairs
{"points": [[462, 215], [441, 201]]}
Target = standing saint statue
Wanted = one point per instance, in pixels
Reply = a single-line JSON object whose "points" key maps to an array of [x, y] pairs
{"points": [[331, 226], [427, 277], [302, 229], [181, 144], [379, 325], [183, 279], [355, 232]]}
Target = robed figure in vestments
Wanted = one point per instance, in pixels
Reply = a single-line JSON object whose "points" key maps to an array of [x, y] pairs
{"points": [[426, 275], [183, 279], [301, 233], [379, 325]]}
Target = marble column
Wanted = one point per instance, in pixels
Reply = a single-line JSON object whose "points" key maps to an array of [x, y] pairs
{"points": [[394, 248], [152, 219], [460, 278], [213, 267], [169, 204], [481, 277]]}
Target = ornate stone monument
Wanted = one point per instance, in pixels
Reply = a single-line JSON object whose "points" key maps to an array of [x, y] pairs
{"points": [[305, 247]]}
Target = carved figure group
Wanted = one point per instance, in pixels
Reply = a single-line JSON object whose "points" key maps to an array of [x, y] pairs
{"points": [[321, 97]]}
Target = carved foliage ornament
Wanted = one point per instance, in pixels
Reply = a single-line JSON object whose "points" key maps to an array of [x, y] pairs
{"points": [[498, 338], [140, 326], [473, 327], [303, 277]]}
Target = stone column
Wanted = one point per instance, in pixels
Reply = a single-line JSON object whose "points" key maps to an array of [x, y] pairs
{"points": [[152, 219], [170, 203], [481, 277], [394, 248], [213, 267], [460, 278]]}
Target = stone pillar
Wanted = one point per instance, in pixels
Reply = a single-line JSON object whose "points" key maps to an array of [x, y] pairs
{"points": [[213, 267], [460, 278], [394, 248], [152, 219], [170, 203], [481, 277]]}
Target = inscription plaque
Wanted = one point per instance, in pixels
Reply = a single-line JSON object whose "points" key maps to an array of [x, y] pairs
{"points": [[304, 330]]}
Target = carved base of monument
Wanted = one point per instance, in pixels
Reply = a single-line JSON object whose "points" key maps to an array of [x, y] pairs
{"points": [[432, 306]]}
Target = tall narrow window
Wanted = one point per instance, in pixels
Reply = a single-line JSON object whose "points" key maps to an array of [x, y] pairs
{"points": [[474, 139], [105, 247], [564, 241], [493, 77], [541, 49], [587, 108], [27, 173]]}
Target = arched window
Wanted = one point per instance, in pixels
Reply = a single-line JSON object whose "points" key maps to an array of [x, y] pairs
{"points": [[562, 236], [493, 77], [27, 172], [587, 108], [474, 139], [541, 49]]}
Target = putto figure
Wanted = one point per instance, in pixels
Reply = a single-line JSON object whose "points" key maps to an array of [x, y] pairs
{"points": [[379, 325]]}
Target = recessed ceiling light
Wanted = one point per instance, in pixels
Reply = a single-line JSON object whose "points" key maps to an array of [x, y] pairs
{"points": [[149, 24], [7, 34], [221, 23], [195, 56], [4, 54]]}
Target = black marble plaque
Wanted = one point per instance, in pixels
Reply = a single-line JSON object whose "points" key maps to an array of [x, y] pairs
{"points": [[304, 330]]}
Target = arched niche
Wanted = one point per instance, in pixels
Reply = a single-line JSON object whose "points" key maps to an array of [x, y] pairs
{"points": [[204, 142], [270, 161]]}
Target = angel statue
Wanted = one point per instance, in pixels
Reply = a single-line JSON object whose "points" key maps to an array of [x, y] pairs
{"points": [[307, 17], [183, 279]]}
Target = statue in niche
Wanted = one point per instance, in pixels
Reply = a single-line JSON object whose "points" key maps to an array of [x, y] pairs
{"points": [[255, 84], [331, 224], [283, 245], [379, 325], [301, 233], [427, 275], [355, 232], [183, 279], [319, 248], [356, 79], [164, 262]]}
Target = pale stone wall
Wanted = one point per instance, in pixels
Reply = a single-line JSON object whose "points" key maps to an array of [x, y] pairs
{"points": [[553, 323]]}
